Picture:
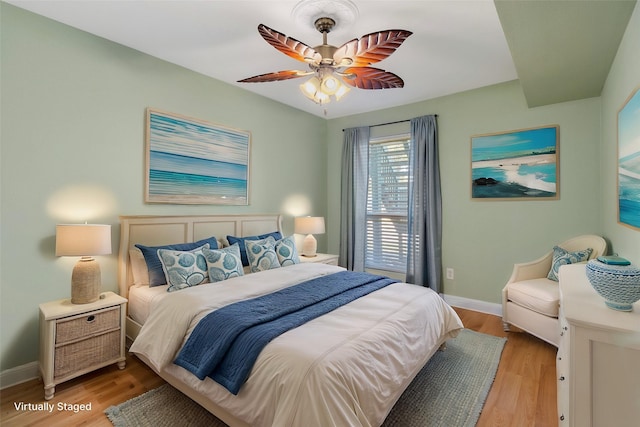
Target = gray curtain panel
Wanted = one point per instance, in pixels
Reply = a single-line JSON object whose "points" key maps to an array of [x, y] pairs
{"points": [[353, 198], [424, 263]]}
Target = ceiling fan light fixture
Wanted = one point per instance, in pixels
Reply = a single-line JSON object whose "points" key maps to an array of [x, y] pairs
{"points": [[319, 89]]}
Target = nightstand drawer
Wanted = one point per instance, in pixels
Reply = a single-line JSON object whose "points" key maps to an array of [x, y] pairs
{"points": [[86, 325], [83, 354]]}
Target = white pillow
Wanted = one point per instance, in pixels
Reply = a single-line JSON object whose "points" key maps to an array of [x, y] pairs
{"points": [[139, 268]]}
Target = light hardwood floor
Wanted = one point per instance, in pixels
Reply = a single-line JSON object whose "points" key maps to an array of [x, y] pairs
{"points": [[523, 393]]}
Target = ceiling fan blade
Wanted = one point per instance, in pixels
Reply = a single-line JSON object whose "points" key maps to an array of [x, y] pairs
{"points": [[371, 78], [277, 76], [370, 48], [288, 45]]}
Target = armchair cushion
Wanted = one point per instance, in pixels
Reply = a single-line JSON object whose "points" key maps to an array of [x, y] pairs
{"points": [[540, 295], [563, 257]]}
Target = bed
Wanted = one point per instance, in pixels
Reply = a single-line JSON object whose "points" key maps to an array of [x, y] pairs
{"points": [[346, 367]]}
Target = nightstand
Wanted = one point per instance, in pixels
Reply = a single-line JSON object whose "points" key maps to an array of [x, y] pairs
{"points": [[321, 258], [79, 338]]}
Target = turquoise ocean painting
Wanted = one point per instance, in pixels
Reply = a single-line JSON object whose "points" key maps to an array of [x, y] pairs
{"points": [[516, 164], [195, 162], [629, 162]]}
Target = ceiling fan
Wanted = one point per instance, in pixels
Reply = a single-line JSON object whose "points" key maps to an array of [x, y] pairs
{"points": [[332, 66]]}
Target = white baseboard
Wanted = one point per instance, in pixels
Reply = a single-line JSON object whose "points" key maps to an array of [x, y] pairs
{"points": [[473, 304], [19, 374]]}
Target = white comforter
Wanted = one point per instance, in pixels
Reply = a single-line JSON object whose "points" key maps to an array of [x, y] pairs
{"points": [[346, 368]]}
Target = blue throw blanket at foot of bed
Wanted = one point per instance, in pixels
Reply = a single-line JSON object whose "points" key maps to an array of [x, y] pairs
{"points": [[225, 343]]}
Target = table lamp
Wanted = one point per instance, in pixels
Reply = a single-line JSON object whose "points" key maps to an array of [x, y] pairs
{"points": [[84, 240], [309, 225]]}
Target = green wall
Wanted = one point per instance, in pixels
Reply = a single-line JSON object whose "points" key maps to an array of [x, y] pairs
{"points": [[622, 80], [73, 110], [483, 239]]}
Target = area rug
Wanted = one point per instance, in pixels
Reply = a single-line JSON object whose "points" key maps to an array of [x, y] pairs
{"points": [[449, 391]]}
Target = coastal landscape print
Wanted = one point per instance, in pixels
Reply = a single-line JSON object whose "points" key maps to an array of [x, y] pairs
{"points": [[190, 161], [629, 162], [519, 164]]}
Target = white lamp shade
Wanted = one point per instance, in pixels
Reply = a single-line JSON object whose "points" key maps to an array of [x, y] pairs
{"points": [[309, 225], [83, 239]]}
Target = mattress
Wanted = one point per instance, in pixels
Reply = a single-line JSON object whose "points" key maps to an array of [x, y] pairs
{"points": [[141, 298]]}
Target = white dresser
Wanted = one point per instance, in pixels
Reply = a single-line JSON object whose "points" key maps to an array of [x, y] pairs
{"points": [[598, 363]]}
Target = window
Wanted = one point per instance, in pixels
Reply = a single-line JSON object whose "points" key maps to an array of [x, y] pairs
{"points": [[387, 204]]}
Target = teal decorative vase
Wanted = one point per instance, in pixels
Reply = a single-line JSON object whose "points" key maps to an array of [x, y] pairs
{"points": [[619, 285]]}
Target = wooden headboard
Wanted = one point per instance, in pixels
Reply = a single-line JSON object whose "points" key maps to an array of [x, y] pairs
{"points": [[163, 230]]}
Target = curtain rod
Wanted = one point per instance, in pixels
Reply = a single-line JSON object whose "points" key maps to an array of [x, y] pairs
{"points": [[392, 123]]}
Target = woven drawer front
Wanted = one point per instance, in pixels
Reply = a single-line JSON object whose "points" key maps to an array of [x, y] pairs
{"points": [[79, 355], [74, 328]]}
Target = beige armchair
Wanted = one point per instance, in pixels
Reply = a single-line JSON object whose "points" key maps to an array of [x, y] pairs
{"points": [[530, 301]]}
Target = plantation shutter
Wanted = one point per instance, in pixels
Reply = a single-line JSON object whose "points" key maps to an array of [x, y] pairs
{"points": [[387, 204]]}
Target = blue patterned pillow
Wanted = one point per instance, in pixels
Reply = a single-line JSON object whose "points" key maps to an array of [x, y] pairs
{"points": [[241, 242], [562, 257], [262, 254], [287, 252], [222, 264], [156, 273], [184, 268]]}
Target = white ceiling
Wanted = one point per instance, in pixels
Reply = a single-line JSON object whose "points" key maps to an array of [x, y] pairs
{"points": [[456, 45]]}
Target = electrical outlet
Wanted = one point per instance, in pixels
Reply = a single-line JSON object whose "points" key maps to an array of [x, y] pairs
{"points": [[450, 273]]}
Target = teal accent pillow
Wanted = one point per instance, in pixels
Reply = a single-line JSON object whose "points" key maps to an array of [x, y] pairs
{"points": [[223, 264], [157, 276], [262, 254], [563, 257], [287, 252], [184, 269], [241, 242]]}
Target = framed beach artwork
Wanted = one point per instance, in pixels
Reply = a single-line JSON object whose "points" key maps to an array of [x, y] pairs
{"points": [[515, 165], [629, 162], [191, 161]]}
